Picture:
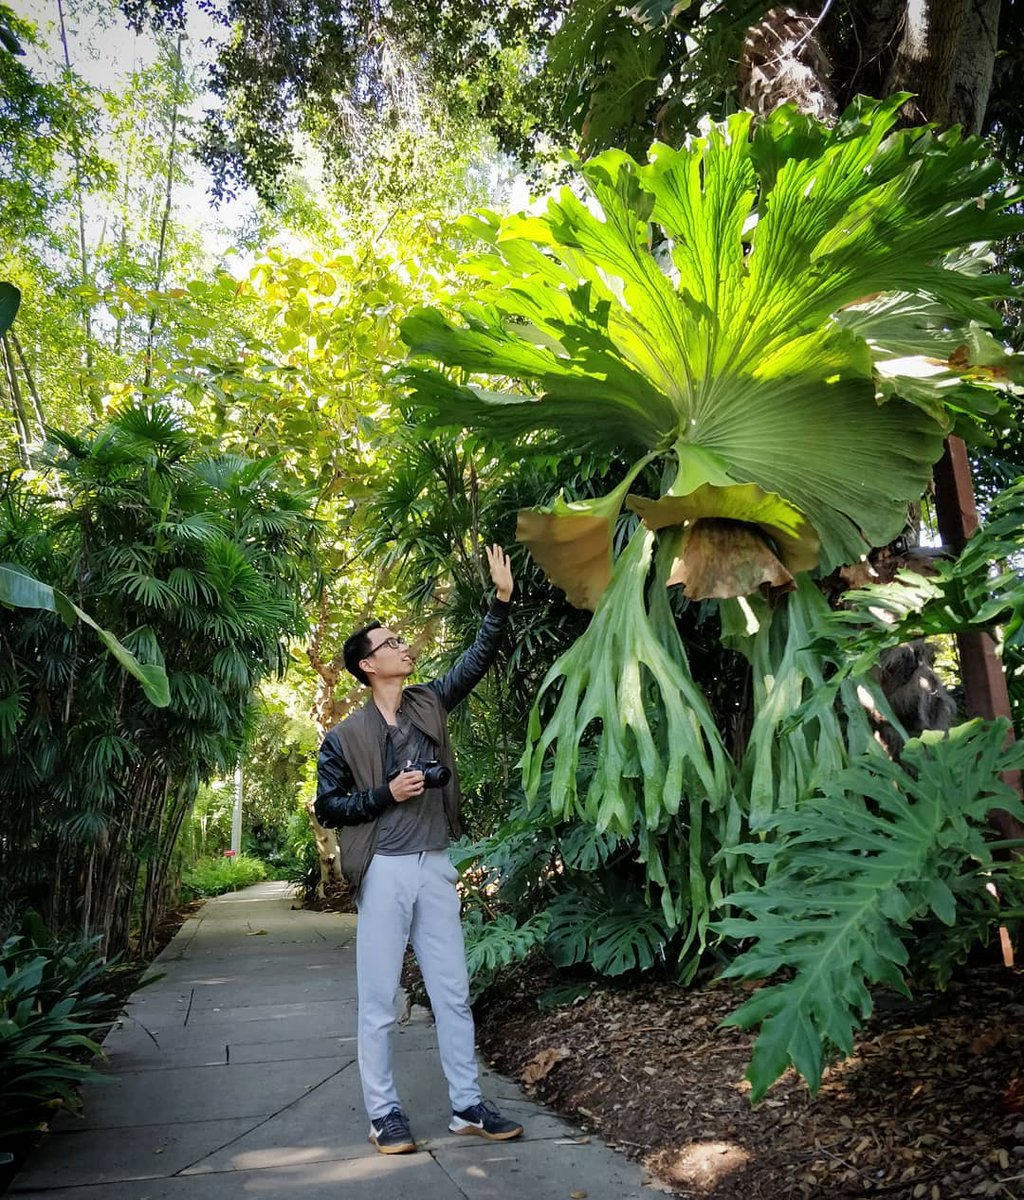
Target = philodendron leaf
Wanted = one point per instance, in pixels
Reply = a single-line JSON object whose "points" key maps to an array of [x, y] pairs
{"points": [[849, 871], [10, 299], [753, 344], [21, 590]]}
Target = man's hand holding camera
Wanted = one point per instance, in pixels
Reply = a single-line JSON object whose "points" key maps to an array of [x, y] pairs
{"points": [[416, 778], [406, 785]]}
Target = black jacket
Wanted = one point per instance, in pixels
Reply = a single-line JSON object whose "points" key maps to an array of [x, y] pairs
{"points": [[351, 788]]}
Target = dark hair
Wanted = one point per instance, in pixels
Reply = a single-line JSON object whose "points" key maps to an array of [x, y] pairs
{"points": [[357, 647]]}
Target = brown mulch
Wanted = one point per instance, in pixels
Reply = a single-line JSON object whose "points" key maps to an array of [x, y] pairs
{"points": [[929, 1107], [337, 897]]}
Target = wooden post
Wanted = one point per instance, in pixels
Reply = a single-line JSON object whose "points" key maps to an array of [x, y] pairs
{"points": [[985, 693]]}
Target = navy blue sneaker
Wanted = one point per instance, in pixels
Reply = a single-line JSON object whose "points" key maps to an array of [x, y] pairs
{"points": [[390, 1133], [485, 1121]]}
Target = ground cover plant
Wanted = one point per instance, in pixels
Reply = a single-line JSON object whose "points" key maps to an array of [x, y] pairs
{"points": [[214, 876], [51, 1005]]}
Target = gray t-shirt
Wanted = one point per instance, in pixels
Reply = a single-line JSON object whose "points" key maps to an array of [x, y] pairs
{"points": [[420, 823]]}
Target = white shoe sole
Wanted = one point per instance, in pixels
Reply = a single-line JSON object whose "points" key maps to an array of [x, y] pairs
{"points": [[467, 1128], [401, 1148]]}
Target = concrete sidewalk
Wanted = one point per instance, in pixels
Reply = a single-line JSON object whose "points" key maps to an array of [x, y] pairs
{"points": [[235, 1075]]}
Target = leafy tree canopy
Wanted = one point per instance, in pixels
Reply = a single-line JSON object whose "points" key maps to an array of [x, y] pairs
{"points": [[344, 72], [589, 73]]}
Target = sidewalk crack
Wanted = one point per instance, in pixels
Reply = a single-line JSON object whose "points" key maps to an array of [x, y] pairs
{"points": [[238, 1137], [454, 1182]]}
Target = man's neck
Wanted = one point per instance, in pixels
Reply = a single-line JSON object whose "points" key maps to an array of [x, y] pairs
{"points": [[387, 695]]}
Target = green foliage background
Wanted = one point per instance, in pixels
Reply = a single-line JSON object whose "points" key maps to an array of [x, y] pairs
{"points": [[206, 445]]}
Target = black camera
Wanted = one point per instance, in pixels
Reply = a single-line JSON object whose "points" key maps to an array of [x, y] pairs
{"points": [[435, 774]]}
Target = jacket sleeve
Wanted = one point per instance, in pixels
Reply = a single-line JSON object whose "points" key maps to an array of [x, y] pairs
{"points": [[337, 803], [456, 685]]}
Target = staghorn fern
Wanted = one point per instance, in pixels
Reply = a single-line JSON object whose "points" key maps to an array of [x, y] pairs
{"points": [[882, 846]]}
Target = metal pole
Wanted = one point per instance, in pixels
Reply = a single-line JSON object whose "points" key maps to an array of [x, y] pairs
{"points": [[236, 816]]}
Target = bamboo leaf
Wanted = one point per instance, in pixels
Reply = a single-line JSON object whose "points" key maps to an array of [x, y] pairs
{"points": [[21, 590]]}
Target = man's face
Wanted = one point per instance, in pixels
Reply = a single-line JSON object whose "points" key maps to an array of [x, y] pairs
{"points": [[389, 656]]}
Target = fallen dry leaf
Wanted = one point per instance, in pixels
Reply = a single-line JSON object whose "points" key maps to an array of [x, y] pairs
{"points": [[541, 1064], [1013, 1095], [987, 1041], [912, 1113]]}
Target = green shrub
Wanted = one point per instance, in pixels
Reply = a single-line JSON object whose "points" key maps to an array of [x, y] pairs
{"points": [[50, 1010], [214, 876], [300, 864]]}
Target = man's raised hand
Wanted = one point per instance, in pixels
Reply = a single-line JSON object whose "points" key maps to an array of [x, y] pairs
{"points": [[501, 571]]}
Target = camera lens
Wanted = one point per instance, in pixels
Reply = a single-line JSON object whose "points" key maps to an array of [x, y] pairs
{"points": [[435, 775]]}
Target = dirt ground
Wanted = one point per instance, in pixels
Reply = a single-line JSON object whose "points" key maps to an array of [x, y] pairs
{"points": [[930, 1106]]}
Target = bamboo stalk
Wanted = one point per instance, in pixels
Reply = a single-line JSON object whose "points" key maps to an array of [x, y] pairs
{"points": [[17, 405], [32, 391], [77, 156], [165, 219]]}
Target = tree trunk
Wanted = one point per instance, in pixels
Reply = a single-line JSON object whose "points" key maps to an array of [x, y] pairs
{"points": [[985, 691], [327, 674], [945, 57], [972, 67]]}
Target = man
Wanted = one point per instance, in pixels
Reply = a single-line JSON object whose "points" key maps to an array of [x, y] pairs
{"points": [[396, 820]]}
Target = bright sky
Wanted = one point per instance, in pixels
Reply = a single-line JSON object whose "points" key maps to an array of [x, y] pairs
{"points": [[104, 51]]}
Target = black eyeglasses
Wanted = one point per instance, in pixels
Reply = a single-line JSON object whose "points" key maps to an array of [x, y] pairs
{"points": [[392, 643]]}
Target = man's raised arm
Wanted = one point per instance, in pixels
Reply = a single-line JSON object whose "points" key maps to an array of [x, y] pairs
{"points": [[456, 684]]}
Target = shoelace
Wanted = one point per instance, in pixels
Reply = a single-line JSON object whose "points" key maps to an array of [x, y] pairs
{"points": [[392, 1125], [486, 1108]]}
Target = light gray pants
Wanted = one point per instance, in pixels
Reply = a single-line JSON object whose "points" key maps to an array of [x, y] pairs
{"points": [[407, 897]]}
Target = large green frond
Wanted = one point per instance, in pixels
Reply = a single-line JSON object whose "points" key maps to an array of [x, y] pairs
{"points": [[20, 589], [720, 298]]}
